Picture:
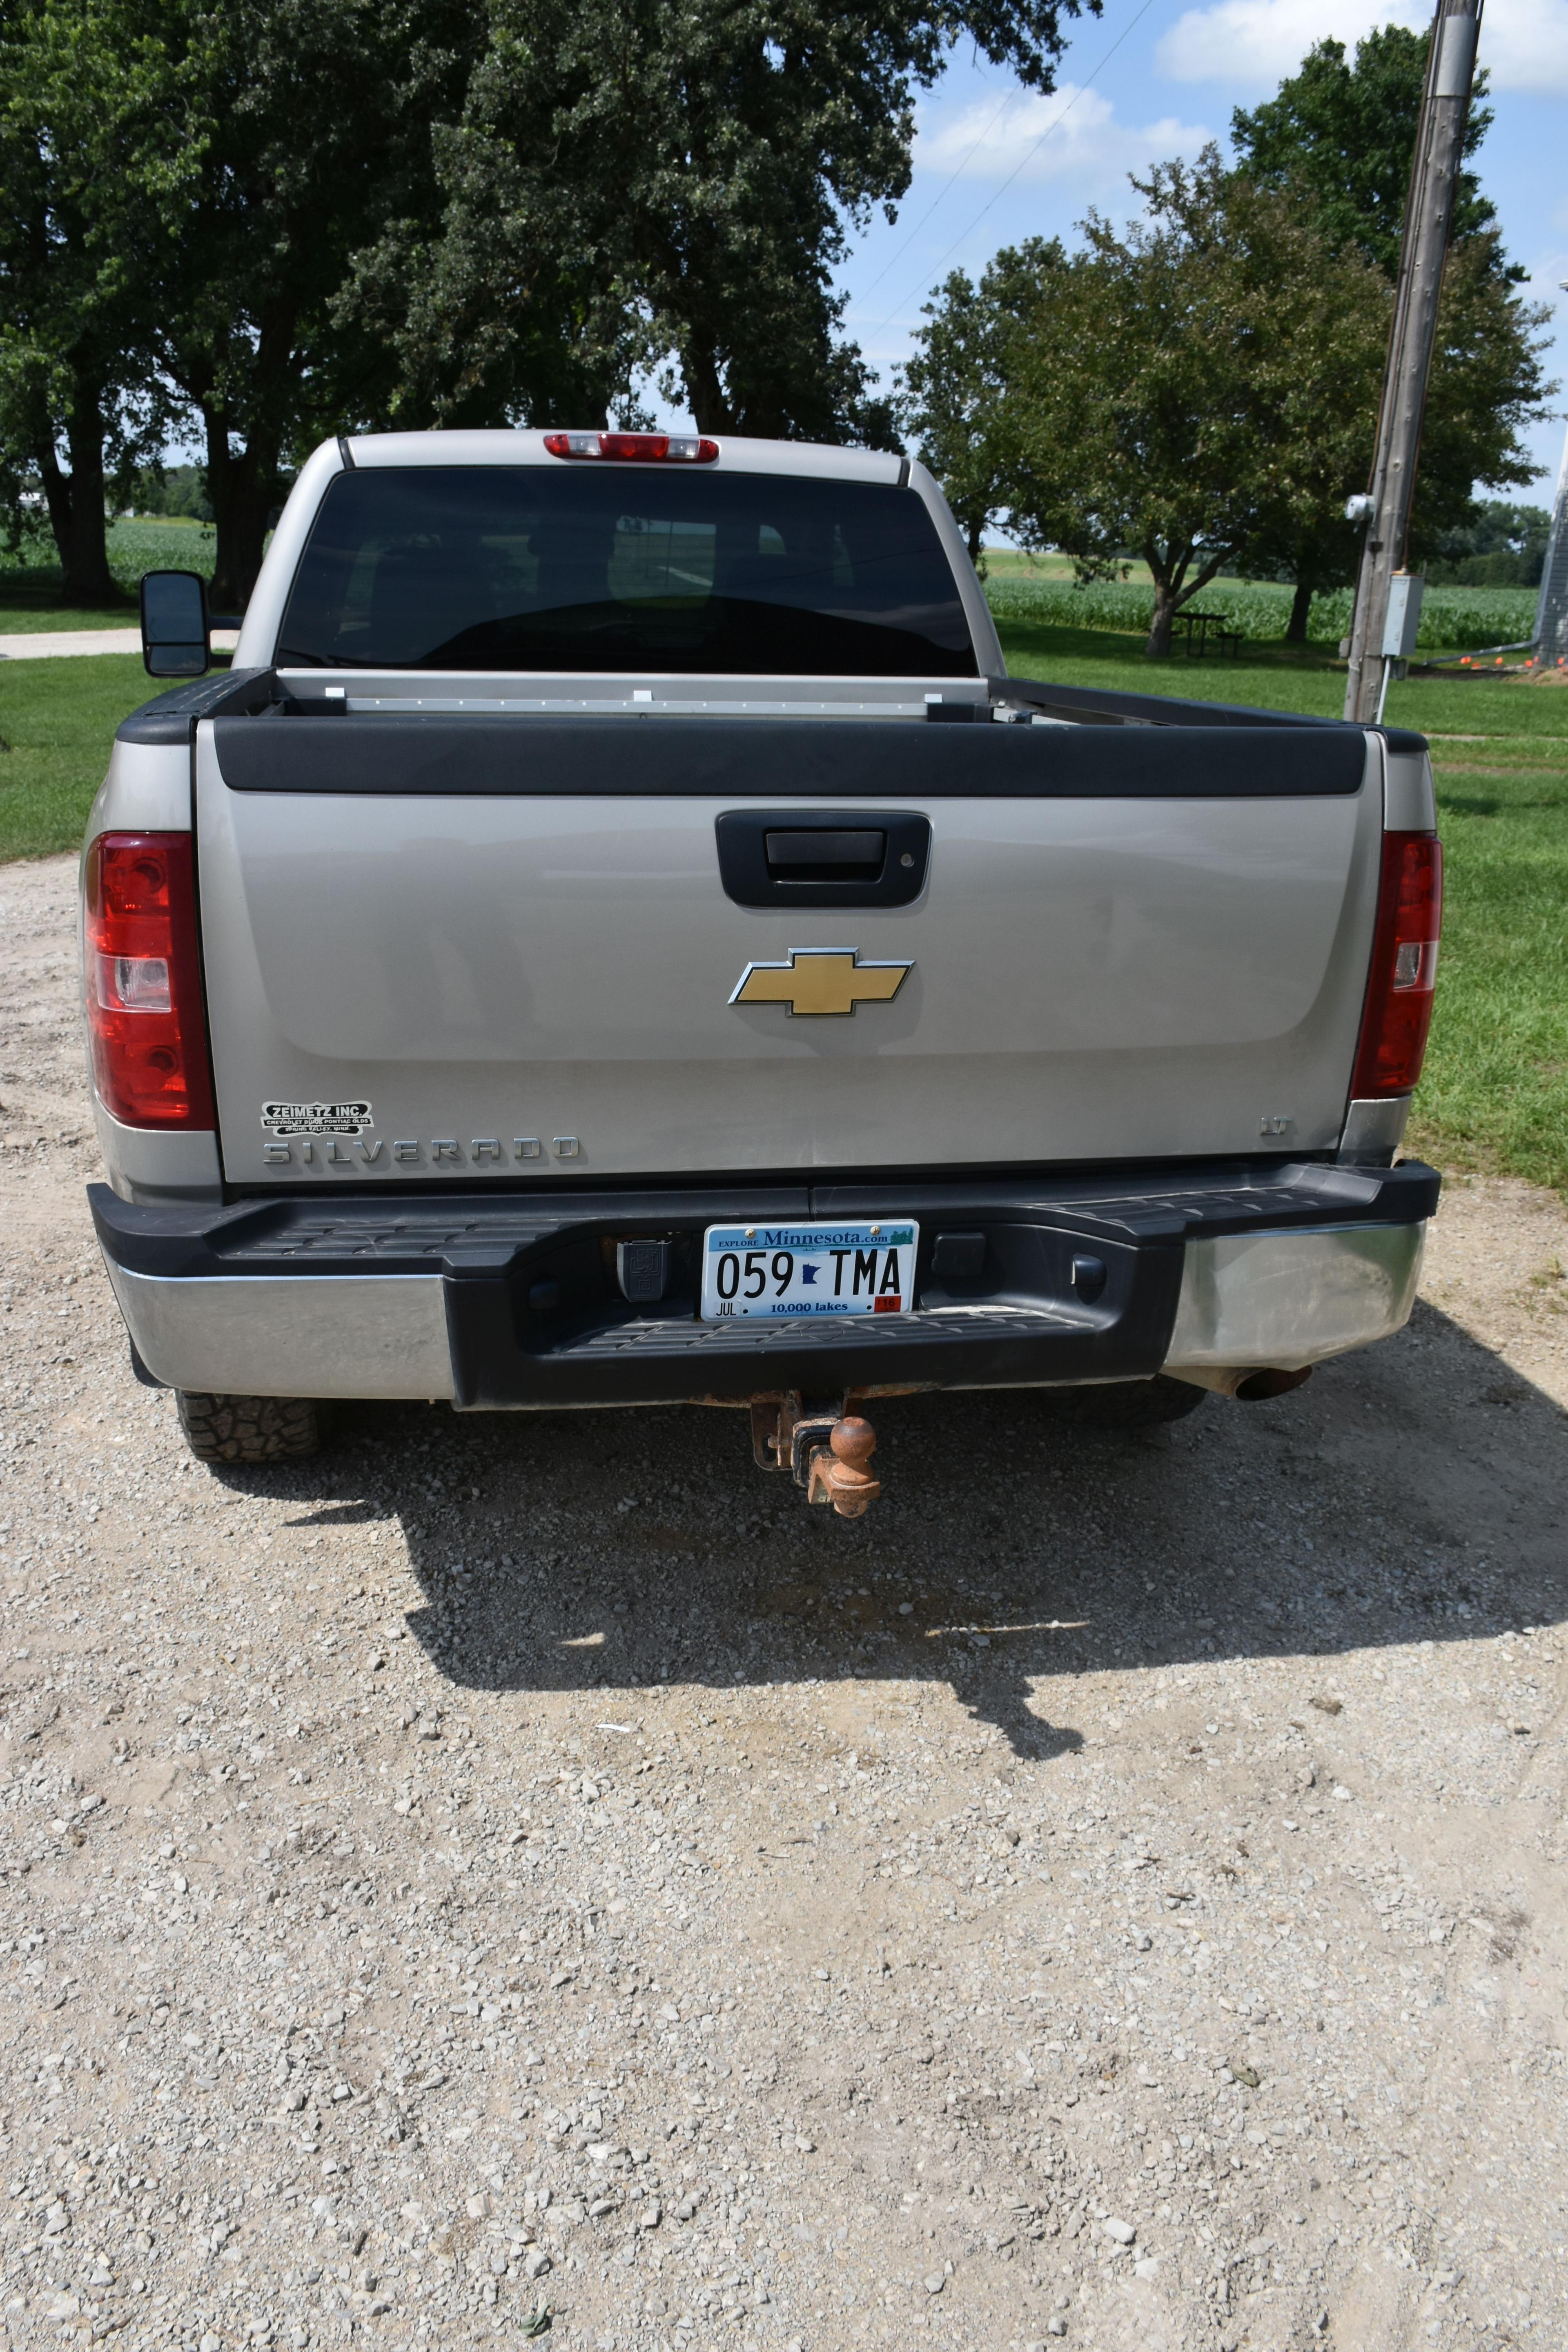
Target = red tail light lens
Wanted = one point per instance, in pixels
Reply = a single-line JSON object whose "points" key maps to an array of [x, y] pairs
{"points": [[143, 987], [635, 448], [1403, 966]]}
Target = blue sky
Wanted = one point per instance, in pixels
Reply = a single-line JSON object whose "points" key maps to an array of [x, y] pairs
{"points": [[1151, 79]]}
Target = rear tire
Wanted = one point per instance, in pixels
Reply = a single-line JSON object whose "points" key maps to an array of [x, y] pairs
{"points": [[1129, 1404], [248, 1428]]}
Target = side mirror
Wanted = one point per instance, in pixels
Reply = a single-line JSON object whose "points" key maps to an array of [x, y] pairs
{"points": [[175, 639]]}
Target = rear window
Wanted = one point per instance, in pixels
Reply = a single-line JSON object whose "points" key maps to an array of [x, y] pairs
{"points": [[624, 568]]}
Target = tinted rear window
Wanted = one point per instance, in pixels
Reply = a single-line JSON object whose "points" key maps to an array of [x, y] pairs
{"points": [[624, 568]]}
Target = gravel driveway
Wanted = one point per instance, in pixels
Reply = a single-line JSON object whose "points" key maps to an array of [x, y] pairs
{"points": [[527, 1874]]}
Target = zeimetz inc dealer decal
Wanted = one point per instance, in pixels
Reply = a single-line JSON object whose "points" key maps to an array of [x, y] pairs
{"points": [[316, 1118]]}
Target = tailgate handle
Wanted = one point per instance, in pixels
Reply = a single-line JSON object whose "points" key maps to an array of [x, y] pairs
{"points": [[824, 856]]}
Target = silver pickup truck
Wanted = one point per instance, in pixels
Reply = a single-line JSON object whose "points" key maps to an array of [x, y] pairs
{"points": [[617, 937]]}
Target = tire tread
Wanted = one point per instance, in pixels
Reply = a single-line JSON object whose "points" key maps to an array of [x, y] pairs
{"points": [[248, 1428]]}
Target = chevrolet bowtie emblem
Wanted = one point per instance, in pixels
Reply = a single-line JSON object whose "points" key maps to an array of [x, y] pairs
{"points": [[821, 980]]}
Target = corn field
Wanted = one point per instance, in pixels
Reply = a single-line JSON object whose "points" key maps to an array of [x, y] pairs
{"points": [[1453, 620]]}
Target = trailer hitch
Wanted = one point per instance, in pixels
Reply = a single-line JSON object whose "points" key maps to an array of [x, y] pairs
{"points": [[827, 1451]]}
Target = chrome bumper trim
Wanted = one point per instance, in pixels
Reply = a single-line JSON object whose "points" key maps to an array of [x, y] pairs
{"points": [[147, 1166], [373, 1334], [1286, 1300], [1374, 1131]]}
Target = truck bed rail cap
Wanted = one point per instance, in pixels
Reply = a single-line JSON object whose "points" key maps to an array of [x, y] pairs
{"points": [[620, 756], [173, 718]]}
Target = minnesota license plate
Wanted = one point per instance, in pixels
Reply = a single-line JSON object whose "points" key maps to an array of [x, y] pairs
{"points": [[809, 1269]]}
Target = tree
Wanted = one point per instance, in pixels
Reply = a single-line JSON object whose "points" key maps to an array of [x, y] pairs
{"points": [[1338, 140], [1346, 134], [305, 125], [78, 399], [1180, 389], [1503, 546], [183, 183], [172, 491], [300, 216], [629, 180], [952, 398]]}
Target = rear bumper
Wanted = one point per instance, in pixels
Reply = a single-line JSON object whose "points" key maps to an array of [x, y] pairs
{"points": [[496, 1299]]}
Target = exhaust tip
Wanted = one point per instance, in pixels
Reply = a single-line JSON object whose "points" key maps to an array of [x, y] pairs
{"points": [[1250, 1382], [1256, 1386]]}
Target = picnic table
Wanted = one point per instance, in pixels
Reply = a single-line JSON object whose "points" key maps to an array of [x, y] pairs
{"points": [[1227, 640]]}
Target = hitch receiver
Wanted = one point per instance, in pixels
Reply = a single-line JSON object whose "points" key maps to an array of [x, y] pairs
{"points": [[827, 1452], [836, 1473]]}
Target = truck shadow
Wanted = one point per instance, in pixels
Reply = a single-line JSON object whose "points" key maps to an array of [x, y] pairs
{"points": [[1410, 1495]]}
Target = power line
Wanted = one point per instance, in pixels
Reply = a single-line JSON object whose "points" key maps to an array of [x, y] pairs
{"points": [[953, 177], [997, 194]]}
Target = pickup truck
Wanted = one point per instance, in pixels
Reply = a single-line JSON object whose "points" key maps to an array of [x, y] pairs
{"points": [[617, 937]]}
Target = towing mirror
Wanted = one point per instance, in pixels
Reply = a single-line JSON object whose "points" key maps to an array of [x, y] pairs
{"points": [[175, 632]]}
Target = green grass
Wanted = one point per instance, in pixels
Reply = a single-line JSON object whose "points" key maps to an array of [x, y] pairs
{"points": [[1286, 678], [58, 719], [1495, 1091], [20, 618], [1495, 1095], [30, 596]]}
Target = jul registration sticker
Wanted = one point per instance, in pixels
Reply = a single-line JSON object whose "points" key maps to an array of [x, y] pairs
{"points": [[808, 1269]]}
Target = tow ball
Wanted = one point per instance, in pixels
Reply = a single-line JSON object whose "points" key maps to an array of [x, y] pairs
{"points": [[826, 1450]]}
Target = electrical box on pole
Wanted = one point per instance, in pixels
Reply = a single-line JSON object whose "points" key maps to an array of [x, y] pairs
{"points": [[1428, 215], [1402, 615]]}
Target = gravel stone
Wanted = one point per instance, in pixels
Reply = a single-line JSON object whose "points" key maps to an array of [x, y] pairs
{"points": [[430, 1892]]}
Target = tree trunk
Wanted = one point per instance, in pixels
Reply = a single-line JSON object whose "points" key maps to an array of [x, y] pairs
{"points": [[1300, 606], [75, 501], [711, 412], [1157, 645], [240, 488], [975, 540]]}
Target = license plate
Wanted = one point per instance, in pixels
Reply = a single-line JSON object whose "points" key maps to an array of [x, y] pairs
{"points": [[809, 1269]]}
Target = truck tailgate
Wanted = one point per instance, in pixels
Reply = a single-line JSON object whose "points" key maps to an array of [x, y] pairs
{"points": [[469, 949]]}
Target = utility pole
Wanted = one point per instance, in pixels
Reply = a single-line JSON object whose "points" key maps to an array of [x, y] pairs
{"points": [[1429, 215], [1552, 611]]}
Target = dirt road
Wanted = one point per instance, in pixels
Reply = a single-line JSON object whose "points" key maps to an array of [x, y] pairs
{"points": [[527, 1873]]}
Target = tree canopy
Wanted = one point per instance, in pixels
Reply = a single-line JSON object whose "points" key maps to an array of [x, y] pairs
{"points": [[1345, 132], [1172, 390], [1503, 546], [78, 397], [1339, 136], [1203, 391], [630, 184], [275, 218], [953, 391]]}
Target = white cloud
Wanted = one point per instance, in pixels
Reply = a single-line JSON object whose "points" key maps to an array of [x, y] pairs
{"points": [[1524, 46], [1524, 43], [1072, 135]]}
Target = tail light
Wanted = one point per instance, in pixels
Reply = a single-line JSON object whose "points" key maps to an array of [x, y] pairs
{"points": [[1403, 966], [636, 448], [143, 987]]}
